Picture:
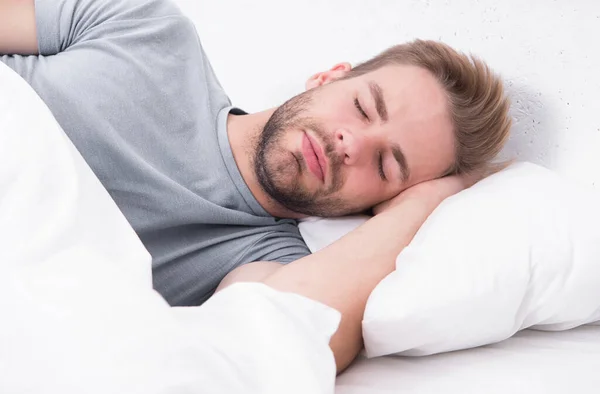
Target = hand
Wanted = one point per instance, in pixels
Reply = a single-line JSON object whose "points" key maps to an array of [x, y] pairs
{"points": [[430, 193]]}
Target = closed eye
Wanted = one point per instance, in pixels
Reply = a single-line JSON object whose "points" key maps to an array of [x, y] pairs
{"points": [[381, 172], [360, 109]]}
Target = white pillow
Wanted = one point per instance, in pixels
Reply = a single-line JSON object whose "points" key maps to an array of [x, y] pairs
{"points": [[520, 249], [320, 232]]}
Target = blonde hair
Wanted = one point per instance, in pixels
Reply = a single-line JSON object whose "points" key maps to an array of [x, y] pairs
{"points": [[477, 103]]}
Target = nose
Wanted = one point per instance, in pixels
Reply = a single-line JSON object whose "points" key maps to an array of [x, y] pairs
{"points": [[352, 147]]}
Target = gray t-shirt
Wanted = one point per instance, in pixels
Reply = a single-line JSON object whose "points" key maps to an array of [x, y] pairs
{"points": [[131, 86]]}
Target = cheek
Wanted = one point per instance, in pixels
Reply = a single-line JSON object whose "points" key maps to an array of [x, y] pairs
{"points": [[279, 155], [364, 187], [290, 141], [334, 115]]}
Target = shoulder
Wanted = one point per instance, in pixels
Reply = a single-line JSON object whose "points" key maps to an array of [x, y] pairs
{"points": [[89, 15], [136, 9], [151, 24]]}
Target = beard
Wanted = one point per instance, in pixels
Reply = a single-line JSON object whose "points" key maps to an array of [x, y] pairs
{"points": [[278, 170]]}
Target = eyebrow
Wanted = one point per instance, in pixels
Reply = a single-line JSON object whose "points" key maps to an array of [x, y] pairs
{"points": [[377, 94], [401, 159]]}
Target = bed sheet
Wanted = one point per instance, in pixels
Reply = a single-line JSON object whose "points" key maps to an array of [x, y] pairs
{"points": [[77, 310], [531, 362]]}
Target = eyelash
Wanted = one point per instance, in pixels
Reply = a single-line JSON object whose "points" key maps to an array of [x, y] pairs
{"points": [[360, 110], [364, 115], [381, 172]]}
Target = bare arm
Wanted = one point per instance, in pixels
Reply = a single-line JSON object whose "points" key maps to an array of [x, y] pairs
{"points": [[344, 274], [17, 28]]}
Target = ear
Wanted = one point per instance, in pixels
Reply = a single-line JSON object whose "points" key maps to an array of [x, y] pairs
{"points": [[323, 78]]}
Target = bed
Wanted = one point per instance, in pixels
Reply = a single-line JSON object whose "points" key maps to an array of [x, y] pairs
{"points": [[530, 362], [116, 338], [542, 50]]}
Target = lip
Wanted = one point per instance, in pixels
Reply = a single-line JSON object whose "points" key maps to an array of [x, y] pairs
{"points": [[313, 154]]}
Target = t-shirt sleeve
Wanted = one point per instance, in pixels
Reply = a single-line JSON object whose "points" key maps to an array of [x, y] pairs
{"points": [[279, 246], [61, 24]]}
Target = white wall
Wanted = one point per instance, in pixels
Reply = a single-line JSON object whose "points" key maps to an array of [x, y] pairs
{"points": [[547, 51]]}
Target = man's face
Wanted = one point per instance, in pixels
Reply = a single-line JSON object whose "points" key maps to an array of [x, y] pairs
{"points": [[346, 145]]}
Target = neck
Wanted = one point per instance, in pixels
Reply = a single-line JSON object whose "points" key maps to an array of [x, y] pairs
{"points": [[243, 132]]}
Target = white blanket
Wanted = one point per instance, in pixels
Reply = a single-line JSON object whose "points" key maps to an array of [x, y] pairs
{"points": [[76, 301]]}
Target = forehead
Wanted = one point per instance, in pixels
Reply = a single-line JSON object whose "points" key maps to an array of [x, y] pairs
{"points": [[411, 91]]}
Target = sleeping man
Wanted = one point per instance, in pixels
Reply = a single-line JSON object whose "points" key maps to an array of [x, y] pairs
{"points": [[214, 192]]}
